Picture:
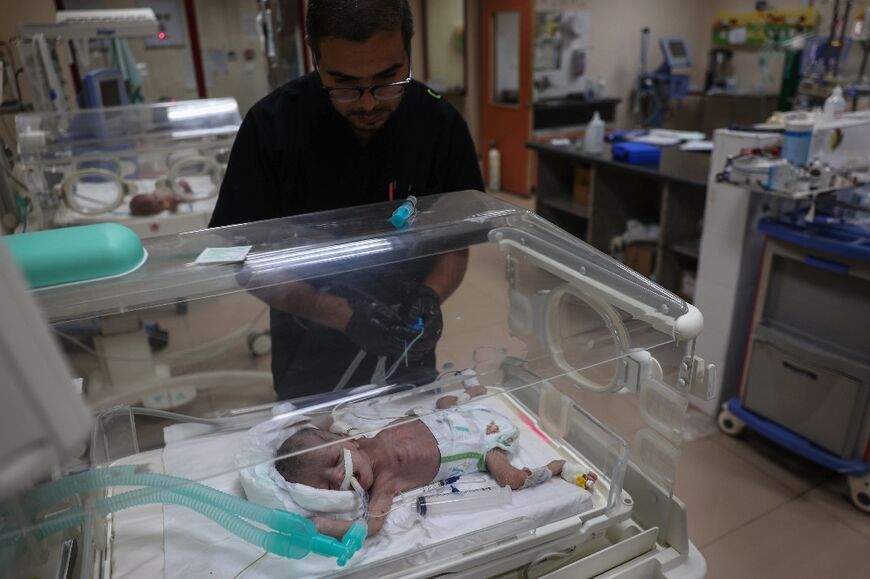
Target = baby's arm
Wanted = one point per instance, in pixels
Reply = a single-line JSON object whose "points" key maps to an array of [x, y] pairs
{"points": [[380, 504], [506, 474], [450, 400]]}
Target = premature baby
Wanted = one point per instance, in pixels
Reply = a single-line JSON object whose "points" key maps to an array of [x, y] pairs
{"points": [[411, 453]]}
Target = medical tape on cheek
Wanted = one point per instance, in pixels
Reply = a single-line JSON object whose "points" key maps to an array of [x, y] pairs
{"points": [[348, 470], [350, 481]]}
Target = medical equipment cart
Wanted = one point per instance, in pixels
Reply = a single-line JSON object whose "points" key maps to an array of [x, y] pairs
{"points": [[806, 376], [591, 362]]}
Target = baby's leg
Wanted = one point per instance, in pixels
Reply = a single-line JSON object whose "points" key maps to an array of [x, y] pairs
{"points": [[506, 474]]}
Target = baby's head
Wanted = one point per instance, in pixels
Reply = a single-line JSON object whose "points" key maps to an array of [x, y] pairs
{"points": [[322, 468]]}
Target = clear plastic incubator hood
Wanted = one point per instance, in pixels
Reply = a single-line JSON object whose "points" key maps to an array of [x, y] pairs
{"points": [[198, 366]]}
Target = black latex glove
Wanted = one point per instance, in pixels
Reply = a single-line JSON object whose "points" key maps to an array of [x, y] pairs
{"points": [[375, 327], [423, 304]]}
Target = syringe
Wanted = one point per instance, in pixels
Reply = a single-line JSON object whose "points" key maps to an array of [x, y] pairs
{"points": [[470, 500], [435, 486]]}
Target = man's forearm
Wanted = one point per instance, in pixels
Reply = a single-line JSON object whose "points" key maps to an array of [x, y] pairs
{"points": [[447, 273], [306, 301]]}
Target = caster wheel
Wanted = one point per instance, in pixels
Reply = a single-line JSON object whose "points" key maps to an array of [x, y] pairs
{"points": [[181, 307], [859, 491], [260, 343], [730, 424]]}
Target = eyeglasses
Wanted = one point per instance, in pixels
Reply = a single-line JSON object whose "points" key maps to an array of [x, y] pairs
{"points": [[381, 92]]}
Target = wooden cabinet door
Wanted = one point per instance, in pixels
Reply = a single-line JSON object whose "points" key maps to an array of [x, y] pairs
{"points": [[506, 107]]}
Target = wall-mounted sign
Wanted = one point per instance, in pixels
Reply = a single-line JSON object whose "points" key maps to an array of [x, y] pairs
{"points": [[760, 28]]}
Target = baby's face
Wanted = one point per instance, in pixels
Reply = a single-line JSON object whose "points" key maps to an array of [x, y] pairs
{"points": [[324, 467]]}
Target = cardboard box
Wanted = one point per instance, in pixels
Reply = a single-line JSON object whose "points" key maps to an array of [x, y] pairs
{"points": [[582, 185], [641, 257]]}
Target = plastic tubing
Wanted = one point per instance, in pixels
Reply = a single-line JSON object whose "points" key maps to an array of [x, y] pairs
{"points": [[293, 546], [205, 500], [304, 540], [126, 475]]}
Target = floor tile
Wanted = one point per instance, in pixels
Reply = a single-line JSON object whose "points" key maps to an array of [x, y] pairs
{"points": [[786, 468], [833, 498], [722, 491], [797, 540]]}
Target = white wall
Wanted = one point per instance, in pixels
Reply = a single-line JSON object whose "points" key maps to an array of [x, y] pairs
{"points": [[226, 25], [445, 59], [616, 25]]}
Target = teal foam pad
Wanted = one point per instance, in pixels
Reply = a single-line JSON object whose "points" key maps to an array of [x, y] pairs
{"points": [[76, 254]]}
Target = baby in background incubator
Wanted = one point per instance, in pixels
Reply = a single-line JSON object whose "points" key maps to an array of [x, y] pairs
{"points": [[411, 453]]}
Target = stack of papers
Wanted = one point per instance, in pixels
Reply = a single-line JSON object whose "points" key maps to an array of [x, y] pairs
{"points": [[663, 137], [697, 146]]}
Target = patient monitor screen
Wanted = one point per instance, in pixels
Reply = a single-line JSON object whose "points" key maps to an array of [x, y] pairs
{"points": [[677, 49], [110, 93]]}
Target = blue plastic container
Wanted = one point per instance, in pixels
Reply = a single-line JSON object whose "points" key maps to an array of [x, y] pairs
{"points": [[636, 153]]}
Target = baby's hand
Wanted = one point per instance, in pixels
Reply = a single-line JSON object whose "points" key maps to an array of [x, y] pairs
{"points": [[475, 391], [331, 527]]}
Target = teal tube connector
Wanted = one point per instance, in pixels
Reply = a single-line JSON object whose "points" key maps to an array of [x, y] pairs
{"points": [[353, 541], [405, 213]]}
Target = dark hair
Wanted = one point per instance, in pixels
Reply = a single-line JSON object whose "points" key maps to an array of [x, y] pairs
{"points": [[357, 20], [293, 468]]}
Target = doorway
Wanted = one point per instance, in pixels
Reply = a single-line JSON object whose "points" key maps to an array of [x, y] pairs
{"points": [[506, 95]]}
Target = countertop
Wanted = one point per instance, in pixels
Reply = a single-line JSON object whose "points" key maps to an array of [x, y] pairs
{"points": [[689, 168]]}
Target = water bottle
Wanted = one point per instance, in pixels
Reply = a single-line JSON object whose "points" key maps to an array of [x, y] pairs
{"points": [[593, 140], [494, 158], [835, 105]]}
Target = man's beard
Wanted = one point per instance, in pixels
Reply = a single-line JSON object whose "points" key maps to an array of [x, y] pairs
{"points": [[363, 120]]}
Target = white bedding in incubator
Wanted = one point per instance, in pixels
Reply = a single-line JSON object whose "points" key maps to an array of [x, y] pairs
{"points": [[192, 546]]}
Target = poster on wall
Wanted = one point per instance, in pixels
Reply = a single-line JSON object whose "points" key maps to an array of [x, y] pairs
{"points": [[760, 28], [562, 37]]}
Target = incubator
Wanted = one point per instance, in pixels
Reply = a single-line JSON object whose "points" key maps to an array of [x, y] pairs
{"points": [[156, 168], [589, 362]]}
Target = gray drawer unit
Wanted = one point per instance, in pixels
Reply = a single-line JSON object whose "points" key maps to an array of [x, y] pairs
{"points": [[808, 389]]}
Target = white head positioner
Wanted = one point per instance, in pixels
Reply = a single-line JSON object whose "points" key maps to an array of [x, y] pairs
{"points": [[263, 484]]}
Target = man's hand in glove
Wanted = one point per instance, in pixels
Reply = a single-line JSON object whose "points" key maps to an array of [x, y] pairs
{"points": [[423, 303], [375, 327]]}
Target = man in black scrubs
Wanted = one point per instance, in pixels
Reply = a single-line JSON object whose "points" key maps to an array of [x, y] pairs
{"points": [[358, 130]]}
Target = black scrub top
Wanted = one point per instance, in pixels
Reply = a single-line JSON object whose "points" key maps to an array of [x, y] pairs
{"points": [[295, 154]]}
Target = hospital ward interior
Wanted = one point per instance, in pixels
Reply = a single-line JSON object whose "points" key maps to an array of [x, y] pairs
{"points": [[435, 288]]}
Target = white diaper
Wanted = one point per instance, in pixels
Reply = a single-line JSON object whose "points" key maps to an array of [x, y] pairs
{"points": [[465, 434]]}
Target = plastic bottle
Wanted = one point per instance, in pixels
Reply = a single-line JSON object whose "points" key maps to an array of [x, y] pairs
{"points": [[601, 88], [593, 141], [494, 161], [835, 105], [796, 140]]}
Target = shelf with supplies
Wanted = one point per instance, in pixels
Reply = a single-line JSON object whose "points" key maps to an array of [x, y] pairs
{"points": [[594, 197], [686, 248], [566, 205]]}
